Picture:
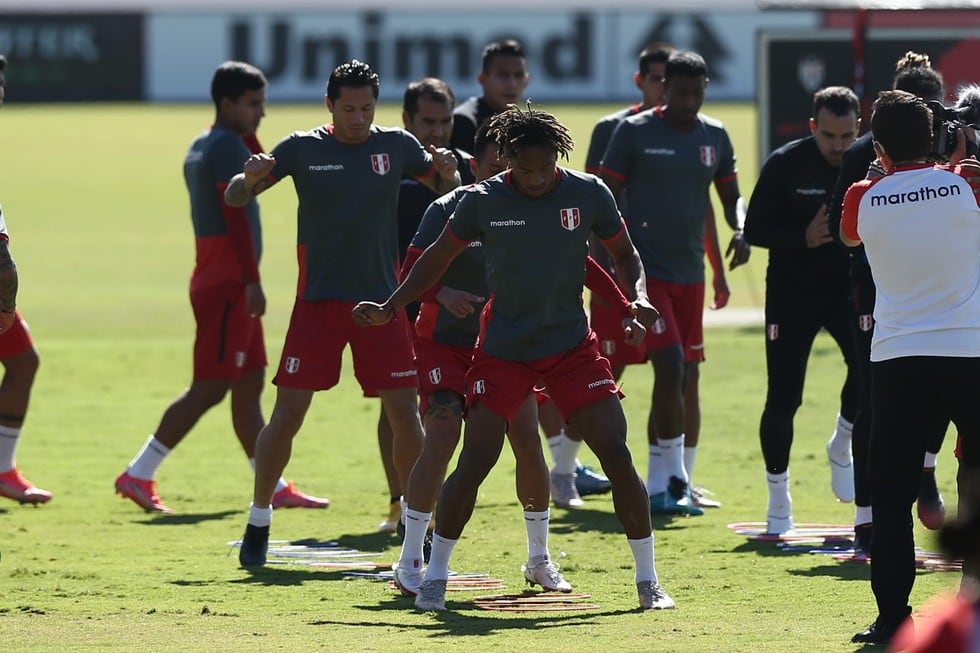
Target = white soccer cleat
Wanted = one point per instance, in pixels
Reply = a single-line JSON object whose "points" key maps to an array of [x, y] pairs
{"points": [[778, 524], [431, 595], [841, 473], [563, 491], [653, 596], [546, 574], [407, 578]]}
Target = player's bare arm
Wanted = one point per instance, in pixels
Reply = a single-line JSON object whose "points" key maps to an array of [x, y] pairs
{"points": [[254, 299], [428, 269], [633, 282], [731, 200], [446, 166], [8, 286], [253, 179], [712, 248]]}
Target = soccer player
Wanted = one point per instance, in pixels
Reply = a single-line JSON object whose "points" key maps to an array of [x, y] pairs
{"points": [[446, 333], [807, 290], [649, 79], [427, 113], [504, 77], [915, 74], [920, 225], [346, 175], [20, 362], [534, 328], [226, 293], [666, 159]]}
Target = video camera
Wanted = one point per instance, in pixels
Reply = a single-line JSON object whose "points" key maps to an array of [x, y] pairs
{"points": [[946, 122]]}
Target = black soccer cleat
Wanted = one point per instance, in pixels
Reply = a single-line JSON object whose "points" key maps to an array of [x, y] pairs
{"points": [[255, 545]]}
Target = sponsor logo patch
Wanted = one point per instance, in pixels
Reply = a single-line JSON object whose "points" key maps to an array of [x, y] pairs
{"points": [[600, 383]]}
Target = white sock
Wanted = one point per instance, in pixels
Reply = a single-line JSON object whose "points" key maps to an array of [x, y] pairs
{"points": [[8, 444], [862, 515], [642, 550], [259, 516], [929, 460], [144, 465], [839, 447], [780, 502], [536, 524], [564, 453], [442, 548], [672, 450], [404, 503], [656, 478], [690, 453], [280, 484], [416, 524]]}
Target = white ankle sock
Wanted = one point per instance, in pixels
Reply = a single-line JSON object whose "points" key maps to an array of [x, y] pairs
{"points": [[780, 501], [690, 453], [862, 515], [416, 524], [672, 450], [536, 524], [442, 548], [144, 465], [259, 516], [8, 445], [839, 447], [656, 477], [565, 454], [646, 568]]}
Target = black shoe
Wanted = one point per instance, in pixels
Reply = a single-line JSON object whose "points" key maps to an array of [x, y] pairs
{"points": [[878, 632], [255, 544], [862, 540]]}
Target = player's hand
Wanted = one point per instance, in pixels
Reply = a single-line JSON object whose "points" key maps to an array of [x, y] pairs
{"points": [[634, 331], [6, 320], [257, 167], [721, 293], [644, 312], [958, 154], [371, 314], [738, 249], [254, 300], [444, 161], [818, 231], [458, 302], [971, 168]]}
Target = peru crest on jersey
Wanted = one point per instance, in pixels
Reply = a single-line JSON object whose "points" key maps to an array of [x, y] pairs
{"points": [[708, 155], [570, 219], [380, 163]]}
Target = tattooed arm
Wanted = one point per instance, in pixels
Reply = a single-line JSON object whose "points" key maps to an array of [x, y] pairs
{"points": [[253, 180], [8, 286]]}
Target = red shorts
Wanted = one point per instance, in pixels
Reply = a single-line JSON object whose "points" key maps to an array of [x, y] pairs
{"points": [[441, 367], [575, 378], [16, 339], [228, 342], [681, 322], [607, 322], [319, 331]]}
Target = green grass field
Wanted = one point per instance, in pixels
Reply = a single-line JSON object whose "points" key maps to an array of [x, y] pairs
{"points": [[96, 207]]}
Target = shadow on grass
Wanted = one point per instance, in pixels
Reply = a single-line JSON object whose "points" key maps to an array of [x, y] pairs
{"points": [[841, 570], [761, 548], [602, 520], [158, 519], [464, 618], [287, 575]]}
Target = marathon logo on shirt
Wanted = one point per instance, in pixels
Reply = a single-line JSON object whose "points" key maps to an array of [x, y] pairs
{"points": [[380, 163], [924, 194], [708, 155], [507, 223], [570, 219], [403, 373], [327, 167], [810, 191], [664, 151], [600, 383]]}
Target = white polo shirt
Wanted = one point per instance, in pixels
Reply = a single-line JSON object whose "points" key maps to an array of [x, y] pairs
{"points": [[920, 226]]}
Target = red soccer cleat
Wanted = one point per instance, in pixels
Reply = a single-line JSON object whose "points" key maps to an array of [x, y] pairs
{"points": [[290, 497], [16, 487], [142, 493]]}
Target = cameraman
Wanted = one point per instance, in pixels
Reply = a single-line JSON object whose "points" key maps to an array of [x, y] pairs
{"points": [[913, 73], [920, 225]]}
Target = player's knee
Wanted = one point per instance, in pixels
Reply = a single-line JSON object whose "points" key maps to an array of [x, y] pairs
{"points": [[444, 406]]}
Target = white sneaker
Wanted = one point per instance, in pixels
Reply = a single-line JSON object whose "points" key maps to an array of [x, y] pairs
{"points": [[778, 524], [408, 579], [653, 596], [841, 474], [547, 575], [431, 595], [563, 491]]}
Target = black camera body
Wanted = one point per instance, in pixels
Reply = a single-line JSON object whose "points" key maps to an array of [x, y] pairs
{"points": [[946, 122]]}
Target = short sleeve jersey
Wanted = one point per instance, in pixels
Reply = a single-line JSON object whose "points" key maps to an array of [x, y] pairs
{"points": [[414, 198], [667, 175], [920, 226], [347, 226], [794, 182], [602, 133], [3, 227], [213, 159], [467, 118], [536, 249], [468, 272]]}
